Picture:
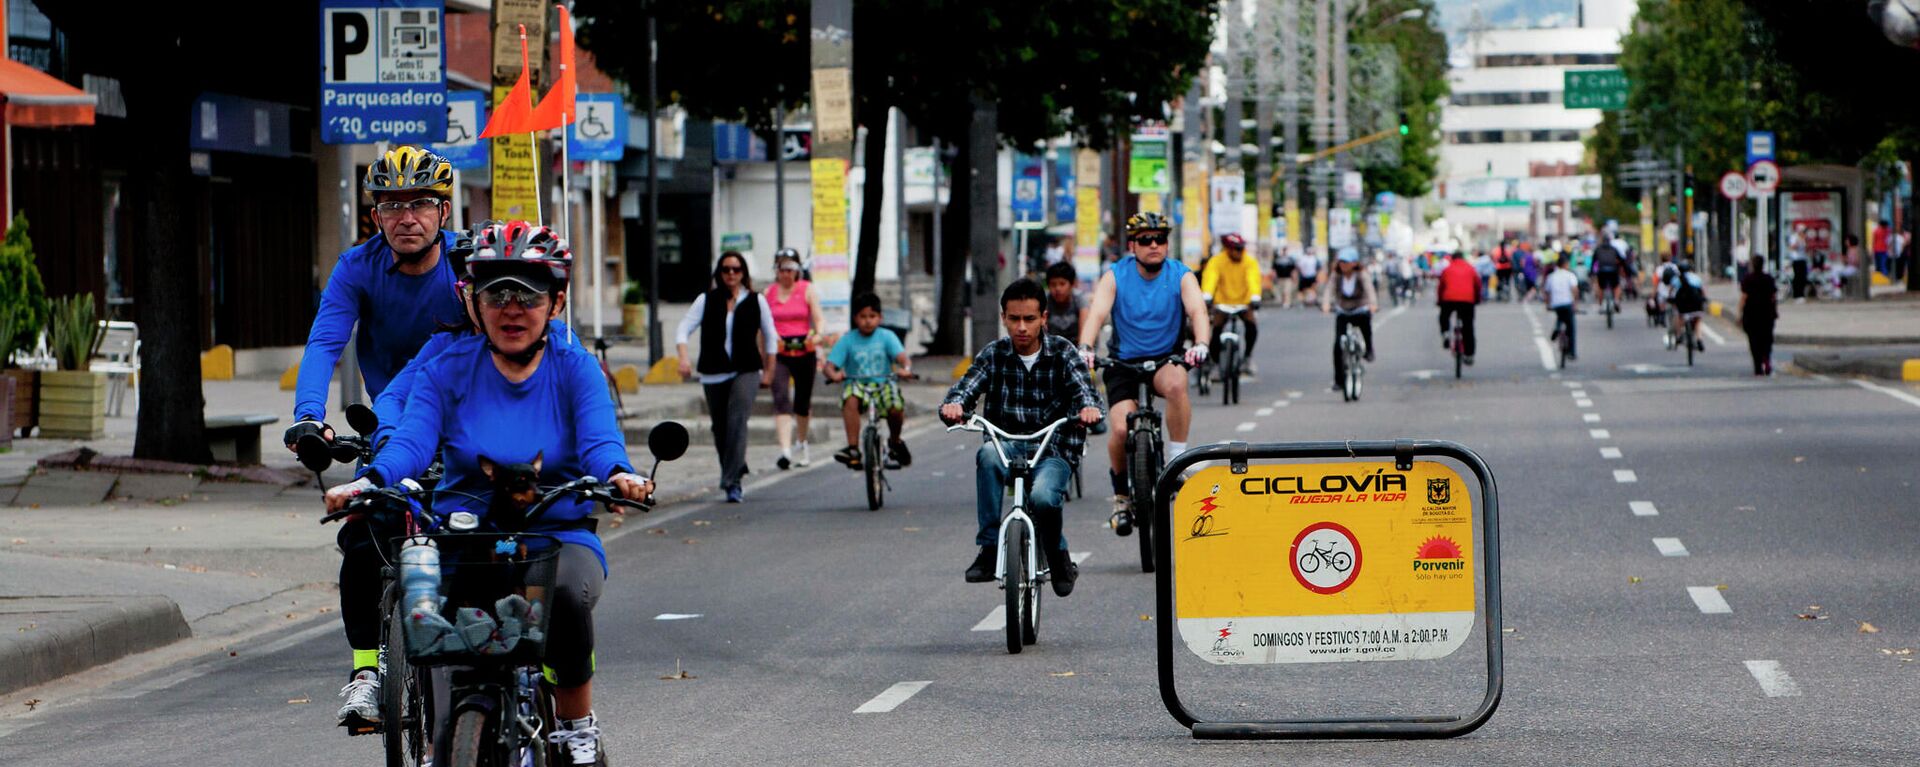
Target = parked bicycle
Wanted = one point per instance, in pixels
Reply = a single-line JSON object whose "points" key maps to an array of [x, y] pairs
{"points": [[1020, 568]]}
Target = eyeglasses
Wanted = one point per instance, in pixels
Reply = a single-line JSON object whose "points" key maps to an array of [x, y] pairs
{"points": [[731, 270], [393, 209], [1151, 239], [498, 298], [789, 267]]}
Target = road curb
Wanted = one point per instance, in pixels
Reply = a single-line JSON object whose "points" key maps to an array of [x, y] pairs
{"points": [[53, 637], [1891, 368]]}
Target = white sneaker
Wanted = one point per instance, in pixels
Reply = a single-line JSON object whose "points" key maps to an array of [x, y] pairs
{"points": [[363, 697], [806, 458], [582, 743]]}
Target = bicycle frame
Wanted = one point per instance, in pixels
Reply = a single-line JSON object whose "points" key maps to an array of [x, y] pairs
{"points": [[1018, 475]]}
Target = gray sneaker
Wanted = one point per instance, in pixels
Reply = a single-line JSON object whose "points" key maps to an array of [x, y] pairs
{"points": [[363, 699], [582, 743]]}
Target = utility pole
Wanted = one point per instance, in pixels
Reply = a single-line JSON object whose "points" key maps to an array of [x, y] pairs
{"points": [[656, 346], [780, 168], [1290, 113], [1322, 121], [1263, 37]]}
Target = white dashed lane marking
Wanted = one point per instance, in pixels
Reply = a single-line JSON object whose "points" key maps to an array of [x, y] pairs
{"points": [[1708, 599], [1590, 417], [1773, 679], [1263, 412], [996, 619], [1716, 338], [1643, 508], [1670, 547], [1599, 434], [1610, 453], [892, 698], [1625, 476], [1246, 426], [1583, 403]]}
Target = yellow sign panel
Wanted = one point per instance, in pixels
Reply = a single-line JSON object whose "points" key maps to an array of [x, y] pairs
{"points": [[1323, 562], [829, 207], [516, 189], [1293, 222]]}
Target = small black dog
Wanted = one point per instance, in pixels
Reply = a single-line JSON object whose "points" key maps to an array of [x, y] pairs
{"points": [[515, 487]]}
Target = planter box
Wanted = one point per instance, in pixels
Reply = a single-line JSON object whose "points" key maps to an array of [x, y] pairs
{"points": [[6, 416], [73, 404], [26, 401]]}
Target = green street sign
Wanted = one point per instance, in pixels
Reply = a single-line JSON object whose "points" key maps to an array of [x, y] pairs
{"points": [[1595, 89], [1147, 166]]}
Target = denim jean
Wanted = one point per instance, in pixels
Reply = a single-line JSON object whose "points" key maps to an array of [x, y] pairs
{"points": [[1046, 493]]}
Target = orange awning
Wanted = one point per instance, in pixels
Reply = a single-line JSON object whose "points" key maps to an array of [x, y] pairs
{"points": [[35, 99]]}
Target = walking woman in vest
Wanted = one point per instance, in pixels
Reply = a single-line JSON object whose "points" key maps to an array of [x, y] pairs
{"points": [[796, 315], [737, 343]]}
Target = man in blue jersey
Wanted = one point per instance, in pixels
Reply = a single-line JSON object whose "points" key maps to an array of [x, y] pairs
{"points": [[1147, 296], [398, 285]]}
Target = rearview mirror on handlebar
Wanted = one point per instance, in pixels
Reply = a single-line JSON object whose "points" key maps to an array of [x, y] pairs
{"points": [[667, 441], [362, 419]]}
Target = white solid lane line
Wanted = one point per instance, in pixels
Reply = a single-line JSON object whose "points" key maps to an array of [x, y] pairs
{"points": [[1624, 476], [1546, 353], [1643, 508], [1590, 417], [1670, 547], [1246, 426], [1279, 403], [1889, 391], [1708, 599], [1773, 679], [996, 619], [892, 698], [1599, 434], [1079, 558], [1716, 338], [1610, 453]]}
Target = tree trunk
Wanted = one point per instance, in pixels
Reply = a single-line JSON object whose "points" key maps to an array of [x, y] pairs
{"points": [[983, 240], [873, 196], [1912, 256], [951, 335], [172, 423]]}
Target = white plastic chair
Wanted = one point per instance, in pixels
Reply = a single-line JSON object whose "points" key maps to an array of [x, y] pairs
{"points": [[119, 358]]}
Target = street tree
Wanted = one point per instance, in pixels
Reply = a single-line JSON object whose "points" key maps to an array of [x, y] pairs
{"points": [[1421, 50]]}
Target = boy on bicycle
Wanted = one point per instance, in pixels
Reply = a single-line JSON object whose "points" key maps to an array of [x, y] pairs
{"points": [[865, 360], [1037, 378]]}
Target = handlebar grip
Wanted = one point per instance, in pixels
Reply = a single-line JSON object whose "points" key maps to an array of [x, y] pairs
{"points": [[338, 515]]}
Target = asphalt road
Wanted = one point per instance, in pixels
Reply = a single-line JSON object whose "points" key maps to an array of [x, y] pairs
{"points": [[1636, 495]]}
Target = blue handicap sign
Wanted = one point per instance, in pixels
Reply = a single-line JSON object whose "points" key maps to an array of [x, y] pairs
{"points": [[600, 132], [1065, 205], [383, 71], [466, 117], [1029, 202]]}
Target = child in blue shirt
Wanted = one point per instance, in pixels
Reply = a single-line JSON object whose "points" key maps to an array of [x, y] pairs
{"points": [[865, 359]]}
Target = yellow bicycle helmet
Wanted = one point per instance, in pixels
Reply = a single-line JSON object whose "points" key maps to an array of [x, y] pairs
{"points": [[1147, 222], [410, 168]]}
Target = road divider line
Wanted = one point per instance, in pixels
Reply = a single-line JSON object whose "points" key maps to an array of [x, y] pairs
{"points": [[1079, 557], [1246, 426], [1590, 417], [1773, 679], [1263, 412], [1643, 508], [1599, 434], [1716, 338], [1583, 403], [1546, 353], [1578, 393], [1625, 476], [677, 616], [892, 698], [1610, 453], [1708, 599], [1889, 391], [996, 619], [1573, 384], [1670, 547]]}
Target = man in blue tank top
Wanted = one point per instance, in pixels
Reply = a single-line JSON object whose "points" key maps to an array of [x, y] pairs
{"points": [[1151, 300]]}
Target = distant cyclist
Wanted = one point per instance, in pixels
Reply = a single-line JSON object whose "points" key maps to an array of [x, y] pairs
{"points": [[1148, 297], [1349, 295], [1066, 308], [1231, 278], [1608, 263], [398, 286], [1460, 290], [1690, 302], [1562, 291]]}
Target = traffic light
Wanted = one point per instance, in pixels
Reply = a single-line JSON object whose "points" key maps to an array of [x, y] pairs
{"points": [[1640, 206], [1689, 191], [1403, 129]]}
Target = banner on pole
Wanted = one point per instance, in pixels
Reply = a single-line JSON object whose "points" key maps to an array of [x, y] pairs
{"points": [[831, 272]]}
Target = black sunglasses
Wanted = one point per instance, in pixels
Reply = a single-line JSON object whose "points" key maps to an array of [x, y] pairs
{"points": [[1151, 239], [731, 270]]}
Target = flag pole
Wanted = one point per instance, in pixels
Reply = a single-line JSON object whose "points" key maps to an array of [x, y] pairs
{"points": [[533, 137]]}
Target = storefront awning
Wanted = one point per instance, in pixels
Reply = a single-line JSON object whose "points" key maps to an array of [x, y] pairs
{"points": [[35, 99]]}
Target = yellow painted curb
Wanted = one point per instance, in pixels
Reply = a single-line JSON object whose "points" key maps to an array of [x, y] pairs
{"points": [[626, 378], [1714, 308], [1910, 370], [1880, 280], [962, 367], [216, 364], [666, 371], [289, 378]]}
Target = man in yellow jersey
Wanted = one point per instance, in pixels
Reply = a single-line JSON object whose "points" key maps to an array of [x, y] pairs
{"points": [[1232, 279]]}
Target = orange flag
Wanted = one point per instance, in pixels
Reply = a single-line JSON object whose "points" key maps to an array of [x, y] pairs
{"points": [[557, 109], [514, 113]]}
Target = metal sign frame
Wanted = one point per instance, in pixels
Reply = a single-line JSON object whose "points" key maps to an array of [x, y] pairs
{"points": [[1402, 452]]}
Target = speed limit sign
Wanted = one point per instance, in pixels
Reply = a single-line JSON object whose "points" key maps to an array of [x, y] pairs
{"points": [[1733, 185]]}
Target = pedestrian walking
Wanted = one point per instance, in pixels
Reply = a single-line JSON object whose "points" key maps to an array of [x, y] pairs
{"points": [[1882, 248], [1284, 280], [737, 344], [1758, 313], [1529, 272], [1850, 260], [1308, 266], [797, 319]]}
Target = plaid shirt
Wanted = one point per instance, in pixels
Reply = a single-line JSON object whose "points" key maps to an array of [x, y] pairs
{"points": [[1022, 401]]}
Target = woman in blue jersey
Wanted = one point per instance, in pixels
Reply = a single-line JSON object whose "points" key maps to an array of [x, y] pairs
{"points": [[511, 395]]}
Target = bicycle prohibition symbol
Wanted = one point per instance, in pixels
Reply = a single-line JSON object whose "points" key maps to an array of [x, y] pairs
{"points": [[1325, 558]]}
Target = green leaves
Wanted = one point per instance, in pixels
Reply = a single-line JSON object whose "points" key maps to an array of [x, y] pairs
{"points": [[72, 331], [23, 297]]}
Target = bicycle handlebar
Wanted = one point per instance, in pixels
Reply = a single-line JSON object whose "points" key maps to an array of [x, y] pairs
{"points": [[587, 488], [977, 423]]}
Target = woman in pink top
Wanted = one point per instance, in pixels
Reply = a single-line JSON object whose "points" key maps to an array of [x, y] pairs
{"points": [[796, 317]]}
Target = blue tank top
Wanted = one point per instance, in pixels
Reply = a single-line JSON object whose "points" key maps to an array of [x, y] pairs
{"points": [[1147, 315]]}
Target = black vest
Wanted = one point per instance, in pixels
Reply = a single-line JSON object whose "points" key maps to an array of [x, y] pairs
{"points": [[713, 328]]}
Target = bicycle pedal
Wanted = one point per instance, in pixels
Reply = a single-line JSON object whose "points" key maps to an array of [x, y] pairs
{"points": [[357, 726]]}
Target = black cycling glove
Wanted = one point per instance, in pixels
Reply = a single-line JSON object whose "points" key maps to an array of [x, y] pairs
{"points": [[303, 428]]}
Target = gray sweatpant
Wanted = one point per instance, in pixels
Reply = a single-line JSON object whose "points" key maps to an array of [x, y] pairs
{"points": [[728, 405]]}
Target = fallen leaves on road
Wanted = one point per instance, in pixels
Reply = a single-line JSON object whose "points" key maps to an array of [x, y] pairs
{"points": [[1508, 631], [18, 541], [195, 568], [1799, 459], [701, 523], [1720, 586], [910, 529], [1812, 617], [298, 701], [1868, 628], [1901, 651], [678, 673], [1060, 673], [1633, 579], [1813, 607], [690, 540], [656, 531], [1145, 617], [32, 703]]}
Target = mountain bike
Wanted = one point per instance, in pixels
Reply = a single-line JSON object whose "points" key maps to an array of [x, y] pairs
{"points": [[1020, 567], [1457, 343], [874, 461], [1608, 307], [1232, 357], [1146, 454]]}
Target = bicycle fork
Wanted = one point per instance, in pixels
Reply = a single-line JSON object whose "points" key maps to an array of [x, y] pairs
{"points": [[1018, 513]]}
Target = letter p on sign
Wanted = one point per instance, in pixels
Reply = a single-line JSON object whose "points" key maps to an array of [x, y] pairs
{"points": [[349, 31]]}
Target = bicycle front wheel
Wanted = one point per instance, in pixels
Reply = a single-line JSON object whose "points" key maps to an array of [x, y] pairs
{"points": [[1016, 542], [403, 725], [1146, 471], [870, 462], [468, 741]]}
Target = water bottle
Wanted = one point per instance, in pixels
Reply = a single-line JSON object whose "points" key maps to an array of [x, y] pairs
{"points": [[420, 574]]}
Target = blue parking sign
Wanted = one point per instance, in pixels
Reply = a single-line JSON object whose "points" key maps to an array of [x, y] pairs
{"points": [[466, 117], [600, 132], [383, 71]]}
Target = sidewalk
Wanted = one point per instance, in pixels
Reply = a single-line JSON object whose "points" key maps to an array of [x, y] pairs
{"points": [[168, 558], [1878, 338]]}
